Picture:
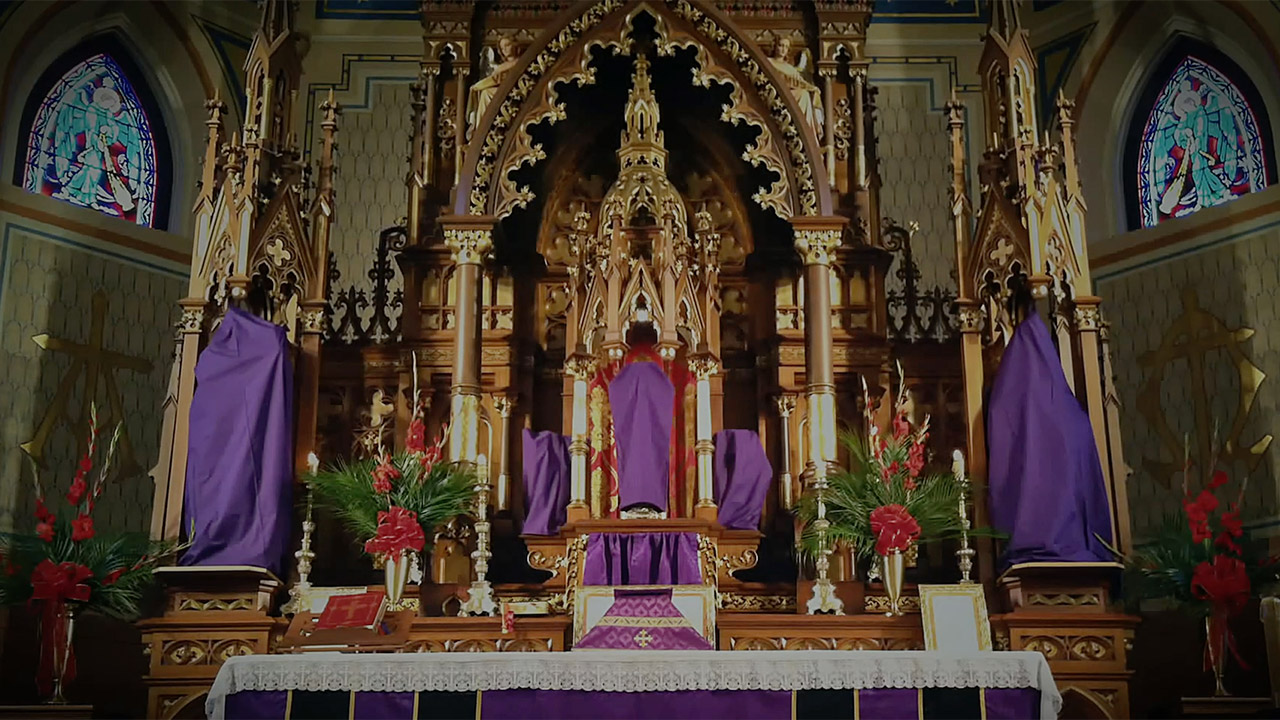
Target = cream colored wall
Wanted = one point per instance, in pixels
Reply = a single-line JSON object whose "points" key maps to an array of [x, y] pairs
{"points": [[1229, 256], [53, 259], [54, 256]]}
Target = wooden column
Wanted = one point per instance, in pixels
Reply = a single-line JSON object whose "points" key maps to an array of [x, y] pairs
{"points": [[469, 239]]}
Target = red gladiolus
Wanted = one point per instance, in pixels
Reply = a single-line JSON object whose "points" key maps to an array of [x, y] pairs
{"points": [[77, 490], [901, 426], [915, 460], [43, 514], [1231, 522], [1198, 512], [894, 527], [398, 530], [82, 528], [1218, 480], [416, 440], [45, 531], [383, 474], [113, 576]]}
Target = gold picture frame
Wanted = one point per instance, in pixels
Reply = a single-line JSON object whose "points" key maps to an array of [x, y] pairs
{"points": [[955, 618]]}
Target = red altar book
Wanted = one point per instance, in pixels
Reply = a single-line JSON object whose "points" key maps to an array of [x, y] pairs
{"points": [[353, 611]]}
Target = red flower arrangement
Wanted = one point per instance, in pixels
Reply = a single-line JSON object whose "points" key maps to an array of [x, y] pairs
{"points": [[886, 501], [66, 565], [895, 529], [398, 531], [1204, 561], [392, 501]]}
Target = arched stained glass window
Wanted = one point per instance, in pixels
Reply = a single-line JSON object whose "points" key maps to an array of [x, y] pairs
{"points": [[1202, 142], [91, 143]]}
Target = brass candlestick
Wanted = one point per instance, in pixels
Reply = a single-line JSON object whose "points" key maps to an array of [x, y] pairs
{"points": [[965, 553], [480, 599], [298, 593]]}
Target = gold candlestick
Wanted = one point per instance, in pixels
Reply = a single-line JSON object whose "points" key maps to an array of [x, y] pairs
{"points": [[480, 598], [298, 593]]}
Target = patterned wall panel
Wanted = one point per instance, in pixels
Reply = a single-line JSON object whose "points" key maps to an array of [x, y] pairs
{"points": [[1161, 331], [914, 169], [48, 285], [371, 194]]}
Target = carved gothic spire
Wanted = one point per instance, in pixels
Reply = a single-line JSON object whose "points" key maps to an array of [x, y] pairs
{"points": [[642, 142]]}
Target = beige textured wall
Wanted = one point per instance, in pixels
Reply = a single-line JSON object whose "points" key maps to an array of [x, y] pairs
{"points": [[48, 277], [1229, 257]]}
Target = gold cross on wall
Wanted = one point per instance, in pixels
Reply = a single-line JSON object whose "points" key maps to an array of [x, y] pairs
{"points": [[95, 364], [643, 638]]}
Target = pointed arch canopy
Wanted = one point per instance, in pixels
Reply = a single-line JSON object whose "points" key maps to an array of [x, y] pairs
{"points": [[94, 137], [501, 143]]}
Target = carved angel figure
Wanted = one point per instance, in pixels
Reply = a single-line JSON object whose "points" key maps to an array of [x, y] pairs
{"points": [[493, 73], [807, 95]]}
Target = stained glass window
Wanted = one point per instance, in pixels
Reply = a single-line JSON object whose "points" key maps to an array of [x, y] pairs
{"points": [[1200, 146], [91, 143]]}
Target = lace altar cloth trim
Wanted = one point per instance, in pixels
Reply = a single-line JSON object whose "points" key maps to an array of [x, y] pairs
{"points": [[631, 671]]}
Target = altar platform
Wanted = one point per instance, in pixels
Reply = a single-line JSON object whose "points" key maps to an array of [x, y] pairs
{"points": [[632, 685]]}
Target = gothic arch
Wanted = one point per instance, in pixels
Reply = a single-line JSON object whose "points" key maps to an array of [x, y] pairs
{"points": [[1180, 51], [723, 54], [141, 114]]}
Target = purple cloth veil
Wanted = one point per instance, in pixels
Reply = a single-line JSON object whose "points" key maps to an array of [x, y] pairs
{"points": [[742, 476], [657, 558], [641, 399], [546, 481], [239, 490], [1046, 484]]}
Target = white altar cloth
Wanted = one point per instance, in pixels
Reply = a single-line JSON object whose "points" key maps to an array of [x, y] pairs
{"points": [[635, 671]]}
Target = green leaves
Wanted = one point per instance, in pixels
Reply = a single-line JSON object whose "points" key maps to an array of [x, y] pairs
{"points": [[436, 494]]}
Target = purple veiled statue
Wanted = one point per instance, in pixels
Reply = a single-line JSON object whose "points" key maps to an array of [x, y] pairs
{"points": [[546, 482], [1046, 484], [239, 491], [641, 399], [741, 478]]}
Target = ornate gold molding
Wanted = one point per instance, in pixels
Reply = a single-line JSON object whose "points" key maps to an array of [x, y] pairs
{"points": [[468, 246], [816, 246]]}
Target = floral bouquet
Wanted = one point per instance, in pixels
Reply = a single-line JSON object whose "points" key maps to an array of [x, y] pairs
{"points": [[67, 566], [390, 501], [1203, 561], [886, 502]]}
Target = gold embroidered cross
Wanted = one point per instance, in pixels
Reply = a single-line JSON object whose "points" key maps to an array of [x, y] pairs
{"points": [[643, 638]]}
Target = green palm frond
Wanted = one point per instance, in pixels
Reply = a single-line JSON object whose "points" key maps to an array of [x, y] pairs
{"points": [[437, 494]]}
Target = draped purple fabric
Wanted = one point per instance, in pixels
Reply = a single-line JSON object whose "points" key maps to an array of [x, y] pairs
{"points": [[546, 482], [239, 492], [1046, 485], [643, 619], [888, 703], [584, 705], [259, 705], [742, 476], [641, 398], [642, 559], [1012, 703]]}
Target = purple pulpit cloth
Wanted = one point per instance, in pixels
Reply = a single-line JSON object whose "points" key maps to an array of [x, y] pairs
{"points": [[641, 398], [642, 619], [642, 559], [1046, 486], [742, 475], [590, 705], [546, 482], [239, 491]]}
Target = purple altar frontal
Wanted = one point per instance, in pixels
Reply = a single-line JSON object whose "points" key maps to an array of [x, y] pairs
{"points": [[625, 685], [883, 704]]}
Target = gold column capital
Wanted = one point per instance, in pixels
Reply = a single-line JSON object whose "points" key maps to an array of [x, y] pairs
{"points": [[468, 237], [580, 366], [704, 365], [786, 404], [503, 405], [818, 237]]}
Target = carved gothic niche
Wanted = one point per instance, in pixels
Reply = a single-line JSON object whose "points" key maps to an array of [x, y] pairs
{"points": [[753, 105], [281, 265]]}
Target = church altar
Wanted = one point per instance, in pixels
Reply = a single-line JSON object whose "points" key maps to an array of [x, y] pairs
{"points": [[638, 684]]}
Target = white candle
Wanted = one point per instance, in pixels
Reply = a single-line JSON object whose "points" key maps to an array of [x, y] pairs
{"points": [[313, 463], [957, 463]]}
